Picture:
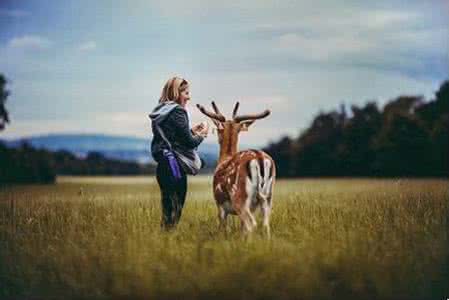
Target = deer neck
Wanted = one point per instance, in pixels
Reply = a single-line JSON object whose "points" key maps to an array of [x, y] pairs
{"points": [[228, 147]]}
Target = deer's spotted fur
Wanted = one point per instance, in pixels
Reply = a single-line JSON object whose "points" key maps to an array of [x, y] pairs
{"points": [[252, 169]]}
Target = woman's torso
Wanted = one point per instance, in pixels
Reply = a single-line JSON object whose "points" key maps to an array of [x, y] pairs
{"points": [[170, 127]]}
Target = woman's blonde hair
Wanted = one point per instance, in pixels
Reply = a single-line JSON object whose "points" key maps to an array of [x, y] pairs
{"points": [[172, 89]]}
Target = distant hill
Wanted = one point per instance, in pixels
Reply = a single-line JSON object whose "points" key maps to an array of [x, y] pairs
{"points": [[112, 146]]}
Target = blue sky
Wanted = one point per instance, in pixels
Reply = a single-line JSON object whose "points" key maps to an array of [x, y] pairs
{"points": [[99, 66]]}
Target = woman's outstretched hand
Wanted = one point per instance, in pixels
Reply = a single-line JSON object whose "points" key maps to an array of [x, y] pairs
{"points": [[197, 127], [201, 129]]}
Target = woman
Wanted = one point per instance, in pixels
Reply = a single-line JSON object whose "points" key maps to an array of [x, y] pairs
{"points": [[172, 134]]}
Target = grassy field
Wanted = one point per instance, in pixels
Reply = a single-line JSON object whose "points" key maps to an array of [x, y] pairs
{"points": [[332, 239]]}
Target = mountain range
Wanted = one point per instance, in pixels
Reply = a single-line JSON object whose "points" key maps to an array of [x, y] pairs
{"points": [[112, 146]]}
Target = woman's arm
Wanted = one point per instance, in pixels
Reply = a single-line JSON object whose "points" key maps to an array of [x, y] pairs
{"points": [[182, 131]]}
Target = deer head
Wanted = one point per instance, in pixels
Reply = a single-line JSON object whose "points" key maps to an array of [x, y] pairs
{"points": [[228, 130]]}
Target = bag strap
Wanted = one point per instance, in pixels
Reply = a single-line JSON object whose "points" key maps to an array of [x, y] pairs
{"points": [[163, 136]]}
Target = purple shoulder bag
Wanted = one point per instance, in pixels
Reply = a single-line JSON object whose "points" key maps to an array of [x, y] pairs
{"points": [[170, 156]]}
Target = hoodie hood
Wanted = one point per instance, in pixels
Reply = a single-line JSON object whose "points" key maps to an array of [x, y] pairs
{"points": [[161, 111]]}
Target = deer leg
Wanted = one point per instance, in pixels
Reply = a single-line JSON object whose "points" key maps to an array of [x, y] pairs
{"points": [[245, 221], [248, 220], [251, 218], [265, 210], [222, 216]]}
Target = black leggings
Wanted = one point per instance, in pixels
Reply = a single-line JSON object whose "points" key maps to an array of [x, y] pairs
{"points": [[173, 193]]}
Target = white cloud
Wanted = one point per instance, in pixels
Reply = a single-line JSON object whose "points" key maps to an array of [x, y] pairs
{"points": [[87, 46], [16, 13], [29, 41], [323, 48], [405, 41]]}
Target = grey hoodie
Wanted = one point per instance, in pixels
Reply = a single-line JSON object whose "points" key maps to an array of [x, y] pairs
{"points": [[175, 134]]}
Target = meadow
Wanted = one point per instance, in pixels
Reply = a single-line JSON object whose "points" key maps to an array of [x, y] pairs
{"points": [[100, 237]]}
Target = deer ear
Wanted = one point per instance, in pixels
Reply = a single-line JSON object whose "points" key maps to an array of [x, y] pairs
{"points": [[245, 125]]}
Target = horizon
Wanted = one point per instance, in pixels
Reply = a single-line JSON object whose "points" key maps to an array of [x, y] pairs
{"points": [[94, 68], [207, 141], [113, 136]]}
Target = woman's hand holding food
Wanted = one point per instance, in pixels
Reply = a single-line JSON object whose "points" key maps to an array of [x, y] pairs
{"points": [[201, 129]]}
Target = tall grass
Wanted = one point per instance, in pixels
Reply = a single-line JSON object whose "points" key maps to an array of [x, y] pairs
{"points": [[332, 239]]}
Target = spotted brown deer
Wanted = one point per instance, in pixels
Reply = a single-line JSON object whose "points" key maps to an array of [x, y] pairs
{"points": [[243, 181]]}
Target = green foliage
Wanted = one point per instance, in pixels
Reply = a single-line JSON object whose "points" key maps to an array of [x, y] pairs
{"points": [[332, 239], [26, 164], [408, 138], [4, 93], [95, 163]]}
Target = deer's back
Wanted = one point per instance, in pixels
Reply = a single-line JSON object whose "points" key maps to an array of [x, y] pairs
{"points": [[231, 175]]}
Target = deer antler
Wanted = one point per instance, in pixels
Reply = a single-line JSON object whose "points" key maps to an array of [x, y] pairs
{"points": [[234, 112], [217, 115], [216, 110], [252, 116]]}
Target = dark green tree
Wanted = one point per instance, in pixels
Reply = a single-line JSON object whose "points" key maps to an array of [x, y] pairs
{"points": [[4, 93], [408, 137]]}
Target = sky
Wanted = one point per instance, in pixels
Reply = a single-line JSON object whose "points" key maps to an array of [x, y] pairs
{"points": [[99, 66]]}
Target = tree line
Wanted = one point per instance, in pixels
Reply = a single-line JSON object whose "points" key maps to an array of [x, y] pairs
{"points": [[408, 137], [26, 164]]}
